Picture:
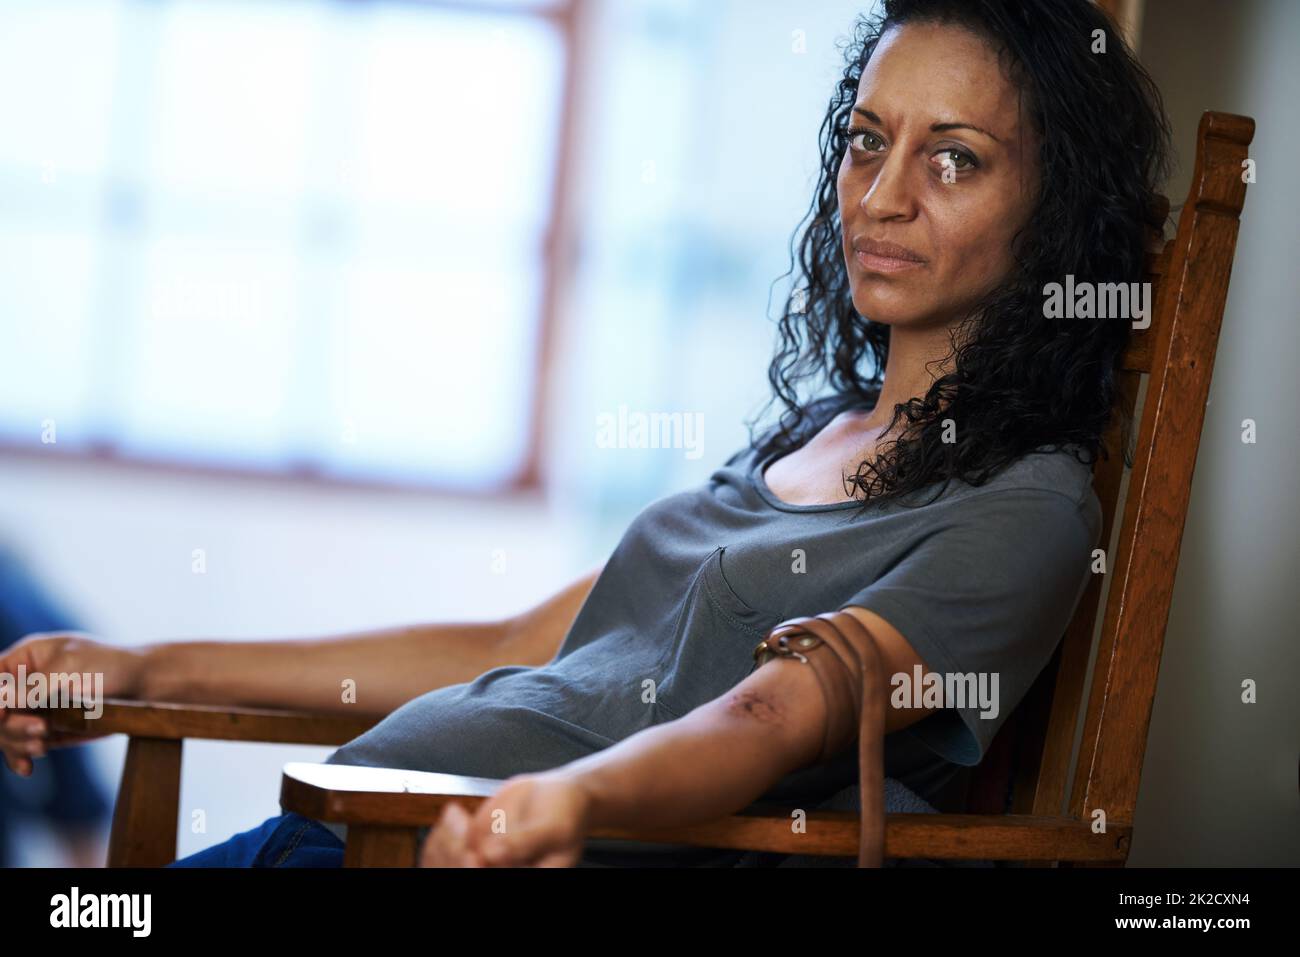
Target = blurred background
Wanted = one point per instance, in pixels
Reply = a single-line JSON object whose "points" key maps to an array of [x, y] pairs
{"points": [[334, 293]]}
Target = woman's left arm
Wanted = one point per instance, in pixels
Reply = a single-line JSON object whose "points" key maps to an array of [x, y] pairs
{"points": [[714, 761]]}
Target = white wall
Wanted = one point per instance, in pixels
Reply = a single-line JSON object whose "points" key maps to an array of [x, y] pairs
{"points": [[1219, 782]]}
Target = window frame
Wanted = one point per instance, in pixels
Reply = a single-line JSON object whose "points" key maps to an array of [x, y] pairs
{"points": [[567, 17]]}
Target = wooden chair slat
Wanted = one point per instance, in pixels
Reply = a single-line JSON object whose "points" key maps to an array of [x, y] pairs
{"points": [[1190, 312], [213, 722]]}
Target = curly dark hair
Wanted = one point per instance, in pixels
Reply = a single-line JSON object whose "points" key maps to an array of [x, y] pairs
{"points": [[1019, 383]]}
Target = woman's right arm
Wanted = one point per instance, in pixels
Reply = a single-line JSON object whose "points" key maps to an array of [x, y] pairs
{"points": [[386, 667]]}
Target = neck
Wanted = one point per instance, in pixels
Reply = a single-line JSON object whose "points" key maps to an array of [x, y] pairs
{"points": [[915, 361]]}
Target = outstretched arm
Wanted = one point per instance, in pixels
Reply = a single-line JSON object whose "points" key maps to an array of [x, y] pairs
{"points": [[389, 666], [770, 724]]}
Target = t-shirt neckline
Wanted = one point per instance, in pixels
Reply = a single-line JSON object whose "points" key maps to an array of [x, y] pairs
{"points": [[765, 492]]}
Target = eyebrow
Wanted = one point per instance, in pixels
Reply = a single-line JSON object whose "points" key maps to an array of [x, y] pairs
{"points": [[934, 128]]}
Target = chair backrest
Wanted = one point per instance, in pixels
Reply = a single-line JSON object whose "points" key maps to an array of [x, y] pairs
{"points": [[1027, 768]]}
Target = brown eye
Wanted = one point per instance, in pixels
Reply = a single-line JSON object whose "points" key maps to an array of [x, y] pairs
{"points": [[956, 159], [868, 137]]}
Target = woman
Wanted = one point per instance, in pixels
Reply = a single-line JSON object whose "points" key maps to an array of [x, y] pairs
{"points": [[973, 154]]}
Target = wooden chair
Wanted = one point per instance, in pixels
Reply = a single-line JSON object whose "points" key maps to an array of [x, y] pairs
{"points": [[1016, 807]]}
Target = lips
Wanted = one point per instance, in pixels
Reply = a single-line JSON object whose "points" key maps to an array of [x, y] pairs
{"points": [[880, 249], [881, 257]]}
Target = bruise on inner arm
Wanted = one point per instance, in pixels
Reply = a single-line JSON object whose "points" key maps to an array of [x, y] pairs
{"points": [[755, 704], [785, 697]]}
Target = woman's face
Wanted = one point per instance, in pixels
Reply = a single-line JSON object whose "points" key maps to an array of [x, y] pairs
{"points": [[938, 176]]}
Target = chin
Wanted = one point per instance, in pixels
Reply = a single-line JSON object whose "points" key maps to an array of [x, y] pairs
{"points": [[892, 310]]}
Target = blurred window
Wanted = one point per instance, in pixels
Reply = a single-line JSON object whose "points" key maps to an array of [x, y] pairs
{"points": [[278, 235]]}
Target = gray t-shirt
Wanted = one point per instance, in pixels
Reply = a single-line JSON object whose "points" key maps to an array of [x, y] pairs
{"points": [[983, 580]]}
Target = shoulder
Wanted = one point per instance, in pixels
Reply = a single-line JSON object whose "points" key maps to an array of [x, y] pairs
{"points": [[1057, 470], [1049, 491]]}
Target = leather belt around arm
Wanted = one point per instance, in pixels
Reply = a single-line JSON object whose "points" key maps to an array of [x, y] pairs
{"points": [[846, 660]]}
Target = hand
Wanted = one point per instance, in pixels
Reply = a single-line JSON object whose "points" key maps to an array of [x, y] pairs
{"points": [[541, 821], [25, 736]]}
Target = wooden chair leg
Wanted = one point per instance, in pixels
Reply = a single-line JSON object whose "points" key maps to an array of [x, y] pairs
{"points": [[147, 811], [379, 846]]}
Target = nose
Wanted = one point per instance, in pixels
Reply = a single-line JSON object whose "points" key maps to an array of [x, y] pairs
{"points": [[890, 195]]}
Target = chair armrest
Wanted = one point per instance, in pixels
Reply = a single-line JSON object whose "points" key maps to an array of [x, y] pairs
{"points": [[152, 719], [394, 798], [148, 798]]}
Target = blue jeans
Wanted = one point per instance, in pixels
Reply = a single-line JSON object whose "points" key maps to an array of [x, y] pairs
{"points": [[287, 840]]}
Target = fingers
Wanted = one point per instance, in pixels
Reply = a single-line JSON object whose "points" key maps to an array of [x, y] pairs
{"points": [[520, 846], [517, 844], [23, 767], [566, 858], [533, 838], [539, 832], [22, 725], [23, 737], [20, 758], [448, 843], [460, 839]]}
